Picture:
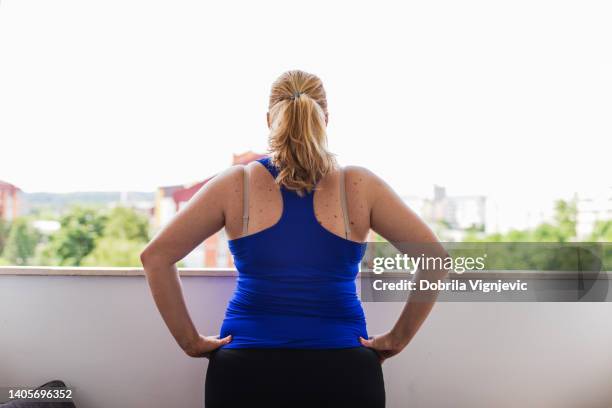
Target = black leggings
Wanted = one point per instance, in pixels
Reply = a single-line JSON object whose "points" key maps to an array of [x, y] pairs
{"points": [[350, 377]]}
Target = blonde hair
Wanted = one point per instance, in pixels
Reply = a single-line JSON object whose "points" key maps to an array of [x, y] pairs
{"points": [[298, 139]]}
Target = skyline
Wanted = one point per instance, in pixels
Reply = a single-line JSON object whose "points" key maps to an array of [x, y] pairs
{"points": [[442, 96]]}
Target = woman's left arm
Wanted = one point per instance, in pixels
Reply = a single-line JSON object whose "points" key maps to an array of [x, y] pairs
{"points": [[201, 217]]}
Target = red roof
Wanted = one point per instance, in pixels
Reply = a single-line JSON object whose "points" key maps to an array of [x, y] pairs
{"points": [[4, 186], [185, 193]]}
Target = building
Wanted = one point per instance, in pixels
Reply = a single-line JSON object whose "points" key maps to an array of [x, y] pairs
{"points": [[214, 251], [457, 212], [10, 201], [450, 216]]}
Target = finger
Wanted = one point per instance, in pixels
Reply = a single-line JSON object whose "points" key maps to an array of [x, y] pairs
{"points": [[220, 342], [366, 343]]}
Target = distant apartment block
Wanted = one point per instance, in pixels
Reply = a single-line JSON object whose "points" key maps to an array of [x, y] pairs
{"points": [[10, 197], [453, 214], [213, 252], [458, 212]]}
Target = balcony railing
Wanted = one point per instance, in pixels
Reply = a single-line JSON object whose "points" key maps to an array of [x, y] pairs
{"points": [[98, 330]]}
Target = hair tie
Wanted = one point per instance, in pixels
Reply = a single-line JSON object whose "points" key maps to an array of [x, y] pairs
{"points": [[296, 95]]}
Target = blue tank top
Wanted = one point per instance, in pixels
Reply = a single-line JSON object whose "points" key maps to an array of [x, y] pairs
{"points": [[296, 283]]}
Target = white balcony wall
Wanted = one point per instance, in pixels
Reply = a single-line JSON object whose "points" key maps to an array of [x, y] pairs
{"points": [[103, 336]]}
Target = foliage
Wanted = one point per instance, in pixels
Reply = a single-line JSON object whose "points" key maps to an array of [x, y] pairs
{"points": [[21, 242], [566, 214], [602, 231], [563, 229], [80, 228], [114, 252], [4, 233], [126, 224], [97, 237]]}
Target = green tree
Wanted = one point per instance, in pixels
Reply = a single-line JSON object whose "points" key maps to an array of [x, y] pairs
{"points": [[76, 238], [562, 229], [517, 236], [547, 232], [602, 231], [4, 233], [97, 237], [114, 252], [125, 223], [565, 219], [125, 235], [21, 243]]}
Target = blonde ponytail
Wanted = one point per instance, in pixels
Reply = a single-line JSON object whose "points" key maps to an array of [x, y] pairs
{"points": [[298, 138]]}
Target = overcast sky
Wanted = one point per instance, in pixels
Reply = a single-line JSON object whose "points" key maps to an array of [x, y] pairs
{"points": [[506, 99]]}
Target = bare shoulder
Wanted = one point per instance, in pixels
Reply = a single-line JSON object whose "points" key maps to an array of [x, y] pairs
{"points": [[228, 185], [364, 180], [225, 179], [231, 179], [223, 187], [361, 174], [231, 174]]}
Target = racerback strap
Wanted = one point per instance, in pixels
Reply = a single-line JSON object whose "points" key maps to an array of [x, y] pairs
{"points": [[245, 201], [347, 229]]}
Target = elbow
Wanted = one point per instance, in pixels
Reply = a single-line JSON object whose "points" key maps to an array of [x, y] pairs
{"points": [[144, 258], [147, 257], [152, 258]]}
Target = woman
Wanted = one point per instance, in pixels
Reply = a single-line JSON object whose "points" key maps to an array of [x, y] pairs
{"points": [[294, 332]]}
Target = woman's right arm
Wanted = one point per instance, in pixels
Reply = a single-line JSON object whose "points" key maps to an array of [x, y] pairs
{"points": [[203, 215], [397, 223]]}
